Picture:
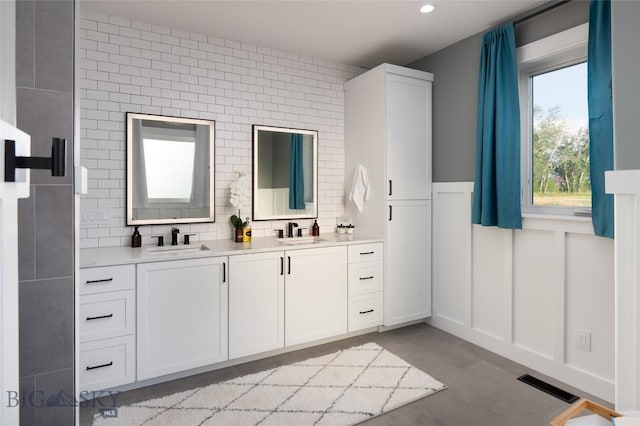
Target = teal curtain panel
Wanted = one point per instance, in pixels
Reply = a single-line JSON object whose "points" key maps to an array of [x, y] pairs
{"points": [[600, 114], [296, 173], [496, 197]]}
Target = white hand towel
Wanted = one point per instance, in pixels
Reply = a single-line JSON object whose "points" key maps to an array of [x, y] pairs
{"points": [[360, 189]]}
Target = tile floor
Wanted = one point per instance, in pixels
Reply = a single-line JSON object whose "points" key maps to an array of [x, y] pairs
{"points": [[483, 389]]}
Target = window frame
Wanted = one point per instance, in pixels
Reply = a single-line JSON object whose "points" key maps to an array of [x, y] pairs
{"points": [[554, 52]]}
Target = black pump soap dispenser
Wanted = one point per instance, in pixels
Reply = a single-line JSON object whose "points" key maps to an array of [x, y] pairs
{"points": [[315, 229], [136, 238]]}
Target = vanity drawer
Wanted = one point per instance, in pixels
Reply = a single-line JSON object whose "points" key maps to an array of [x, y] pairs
{"points": [[365, 277], [365, 311], [107, 363], [107, 278], [365, 252], [107, 315]]}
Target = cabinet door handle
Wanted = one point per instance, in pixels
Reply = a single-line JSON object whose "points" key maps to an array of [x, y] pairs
{"points": [[109, 364], [366, 312], [105, 280], [288, 265], [366, 252], [366, 278], [99, 317], [281, 265], [390, 213], [390, 187], [224, 272]]}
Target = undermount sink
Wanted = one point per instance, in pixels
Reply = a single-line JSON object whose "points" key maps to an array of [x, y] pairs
{"points": [[300, 240], [177, 249]]}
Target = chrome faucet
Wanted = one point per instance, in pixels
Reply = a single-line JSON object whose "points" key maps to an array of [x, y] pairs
{"points": [[174, 236], [290, 227]]}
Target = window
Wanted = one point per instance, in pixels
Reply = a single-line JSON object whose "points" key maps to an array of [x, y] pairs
{"points": [[554, 120], [169, 169]]}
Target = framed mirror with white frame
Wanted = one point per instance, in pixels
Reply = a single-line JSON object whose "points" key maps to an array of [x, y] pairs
{"points": [[170, 170], [285, 173]]}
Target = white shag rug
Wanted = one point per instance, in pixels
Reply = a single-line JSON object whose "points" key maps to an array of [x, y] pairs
{"points": [[342, 388]]}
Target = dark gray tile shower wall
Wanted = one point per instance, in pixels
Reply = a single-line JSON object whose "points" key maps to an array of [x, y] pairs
{"points": [[44, 74]]}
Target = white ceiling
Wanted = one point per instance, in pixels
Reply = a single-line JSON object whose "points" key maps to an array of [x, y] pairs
{"points": [[356, 32]]}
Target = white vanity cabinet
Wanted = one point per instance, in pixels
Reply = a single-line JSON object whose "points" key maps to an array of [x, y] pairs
{"points": [[315, 294], [286, 298], [365, 286], [107, 327], [388, 131], [256, 303], [156, 318], [182, 315]]}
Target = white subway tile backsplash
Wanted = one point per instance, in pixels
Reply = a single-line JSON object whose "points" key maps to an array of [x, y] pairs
{"points": [[133, 66]]}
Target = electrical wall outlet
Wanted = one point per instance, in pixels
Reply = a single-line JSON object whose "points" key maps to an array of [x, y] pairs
{"points": [[94, 217], [583, 340]]}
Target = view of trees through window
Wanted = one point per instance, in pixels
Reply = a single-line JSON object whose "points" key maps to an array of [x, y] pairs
{"points": [[561, 138]]}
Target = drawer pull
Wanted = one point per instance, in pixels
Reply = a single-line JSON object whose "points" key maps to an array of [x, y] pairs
{"points": [[105, 280], [366, 252], [100, 317], [366, 312], [367, 278], [109, 364]]}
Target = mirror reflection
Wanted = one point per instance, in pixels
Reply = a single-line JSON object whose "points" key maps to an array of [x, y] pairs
{"points": [[284, 173], [169, 170]]}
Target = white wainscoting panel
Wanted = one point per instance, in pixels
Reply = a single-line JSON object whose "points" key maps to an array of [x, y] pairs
{"points": [[625, 184], [590, 291], [534, 287], [452, 242], [525, 294], [491, 292]]}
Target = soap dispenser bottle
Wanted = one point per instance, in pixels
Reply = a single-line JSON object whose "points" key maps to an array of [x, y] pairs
{"points": [[315, 229], [136, 238]]}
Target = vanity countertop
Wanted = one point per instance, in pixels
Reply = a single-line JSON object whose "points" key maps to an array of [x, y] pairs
{"points": [[107, 256]]}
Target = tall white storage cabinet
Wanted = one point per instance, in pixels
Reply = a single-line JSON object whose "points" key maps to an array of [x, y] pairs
{"points": [[388, 131]]}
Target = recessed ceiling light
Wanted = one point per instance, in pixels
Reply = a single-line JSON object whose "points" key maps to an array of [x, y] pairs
{"points": [[427, 8]]}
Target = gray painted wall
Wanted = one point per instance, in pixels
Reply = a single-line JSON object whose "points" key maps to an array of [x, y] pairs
{"points": [[625, 16], [44, 79], [455, 90]]}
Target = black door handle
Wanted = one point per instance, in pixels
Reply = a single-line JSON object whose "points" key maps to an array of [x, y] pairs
{"points": [[288, 265], [281, 265], [390, 213], [56, 163], [390, 187]]}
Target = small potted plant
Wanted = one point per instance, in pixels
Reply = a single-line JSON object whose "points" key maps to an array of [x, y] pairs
{"points": [[239, 196]]}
